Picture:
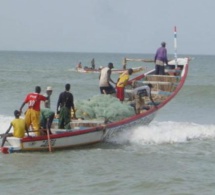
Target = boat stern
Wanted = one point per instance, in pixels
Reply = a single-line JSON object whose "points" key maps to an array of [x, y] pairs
{"points": [[14, 145]]}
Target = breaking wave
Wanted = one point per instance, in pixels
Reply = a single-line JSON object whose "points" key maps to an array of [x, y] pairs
{"points": [[165, 133]]}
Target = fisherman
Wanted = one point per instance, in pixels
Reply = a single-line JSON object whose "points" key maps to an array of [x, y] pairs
{"points": [[138, 94], [79, 65], [93, 63], [122, 82], [46, 119], [105, 79], [65, 103], [32, 115], [19, 128], [160, 59], [47, 102]]}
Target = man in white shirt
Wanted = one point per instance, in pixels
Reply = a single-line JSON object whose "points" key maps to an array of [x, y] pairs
{"points": [[105, 79]]}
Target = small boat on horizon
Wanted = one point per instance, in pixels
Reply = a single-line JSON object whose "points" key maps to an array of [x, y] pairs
{"points": [[114, 71]]}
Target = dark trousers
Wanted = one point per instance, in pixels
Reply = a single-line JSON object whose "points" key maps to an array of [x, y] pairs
{"points": [[64, 118], [159, 70]]}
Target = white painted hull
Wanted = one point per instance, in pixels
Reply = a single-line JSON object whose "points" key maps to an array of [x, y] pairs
{"points": [[58, 141]]}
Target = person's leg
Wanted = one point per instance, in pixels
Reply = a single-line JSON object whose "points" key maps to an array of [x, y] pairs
{"points": [[67, 119], [35, 118], [161, 70], [137, 104], [50, 120], [28, 118], [112, 89], [102, 90], [61, 119], [157, 67]]}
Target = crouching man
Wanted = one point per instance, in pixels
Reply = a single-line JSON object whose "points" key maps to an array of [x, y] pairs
{"points": [[138, 94]]}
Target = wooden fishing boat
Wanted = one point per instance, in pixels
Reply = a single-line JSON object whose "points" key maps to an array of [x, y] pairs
{"points": [[114, 71], [82, 133], [85, 132]]}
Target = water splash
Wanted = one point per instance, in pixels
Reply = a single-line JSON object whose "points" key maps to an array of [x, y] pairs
{"points": [[165, 133], [5, 122]]}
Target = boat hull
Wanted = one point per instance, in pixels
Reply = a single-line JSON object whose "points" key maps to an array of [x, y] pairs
{"points": [[57, 141], [114, 128]]}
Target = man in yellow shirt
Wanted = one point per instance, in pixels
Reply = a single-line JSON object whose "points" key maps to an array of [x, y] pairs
{"points": [[19, 128], [122, 82]]}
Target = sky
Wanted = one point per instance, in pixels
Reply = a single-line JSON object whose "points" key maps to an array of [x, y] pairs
{"points": [[113, 26]]}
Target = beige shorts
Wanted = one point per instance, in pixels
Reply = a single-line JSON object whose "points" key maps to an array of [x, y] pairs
{"points": [[159, 62]]}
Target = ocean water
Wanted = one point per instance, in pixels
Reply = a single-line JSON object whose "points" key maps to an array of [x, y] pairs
{"points": [[174, 155]]}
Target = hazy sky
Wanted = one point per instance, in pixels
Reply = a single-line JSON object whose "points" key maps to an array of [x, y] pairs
{"points": [[131, 26]]}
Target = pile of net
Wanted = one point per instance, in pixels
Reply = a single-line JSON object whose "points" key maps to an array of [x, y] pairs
{"points": [[103, 107]]}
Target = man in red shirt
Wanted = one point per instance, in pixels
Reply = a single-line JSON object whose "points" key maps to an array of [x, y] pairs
{"points": [[32, 115]]}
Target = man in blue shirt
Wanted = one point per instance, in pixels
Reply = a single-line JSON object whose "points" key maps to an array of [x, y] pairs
{"points": [[161, 59]]}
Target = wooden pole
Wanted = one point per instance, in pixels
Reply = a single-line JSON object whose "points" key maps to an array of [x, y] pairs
{"points": [[175, 46], [48, 136]]}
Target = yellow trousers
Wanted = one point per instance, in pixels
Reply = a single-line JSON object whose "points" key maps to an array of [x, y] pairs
{"points": [[32, 117]]}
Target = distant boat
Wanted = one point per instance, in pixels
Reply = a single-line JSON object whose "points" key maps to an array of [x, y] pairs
{"points": [[86, 132], [114, 71]]}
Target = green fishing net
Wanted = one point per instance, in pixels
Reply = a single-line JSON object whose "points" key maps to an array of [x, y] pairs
{"points": [[103, 107]]}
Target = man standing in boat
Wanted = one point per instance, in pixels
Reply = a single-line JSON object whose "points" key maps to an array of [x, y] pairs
{"points": [[93, 63], [46, 114], [105, 79], [122, 82], [160, 59], [47, 103], [32, 115], [65, 102]]}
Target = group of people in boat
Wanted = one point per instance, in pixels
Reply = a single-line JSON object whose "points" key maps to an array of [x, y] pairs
{"points": [[40, 120], [138, 93], [79, 65], [160, 60]]}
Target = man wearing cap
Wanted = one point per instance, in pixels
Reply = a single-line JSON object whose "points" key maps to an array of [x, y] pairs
{"points": [[105, 79], [47, 103], [19, 128], [160, 59], [46, 114]]}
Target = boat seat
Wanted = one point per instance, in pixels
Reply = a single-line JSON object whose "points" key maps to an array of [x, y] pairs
{"points": [[160, 78], [161, 85]]}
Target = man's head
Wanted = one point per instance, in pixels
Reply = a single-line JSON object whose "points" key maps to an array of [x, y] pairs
{"points": [[110, 65], [163, 44], [67, 87], [37, 89], [16, 113], [49, 90], [130, 71]]}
